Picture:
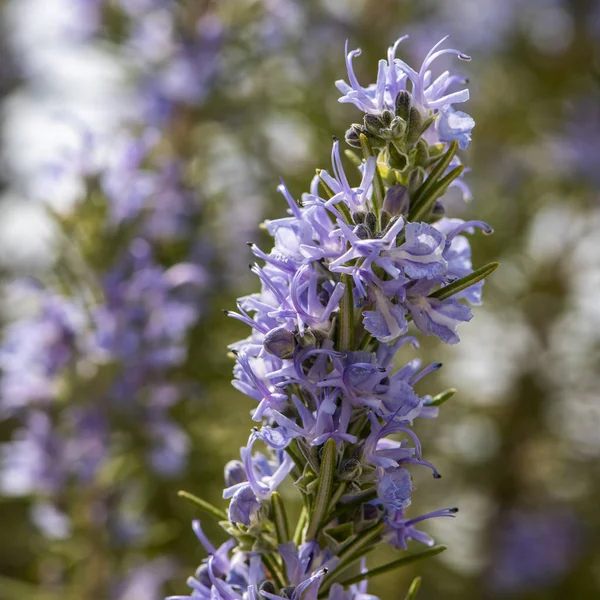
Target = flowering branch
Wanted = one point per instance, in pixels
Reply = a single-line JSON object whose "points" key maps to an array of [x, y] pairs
{"points": [[351, 267]]}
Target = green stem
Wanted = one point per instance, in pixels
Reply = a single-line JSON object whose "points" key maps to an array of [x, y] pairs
{"points": [[441, 397]]}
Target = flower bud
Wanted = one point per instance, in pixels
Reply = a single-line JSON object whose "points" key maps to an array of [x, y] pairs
{"points": [[350, 470], [362, 232], [267, 586], [396, 201], [372, 124], [234, 473], [287, 592], [280, 342], [371, 221], [438, 212], [402, 105], [353, 135]]}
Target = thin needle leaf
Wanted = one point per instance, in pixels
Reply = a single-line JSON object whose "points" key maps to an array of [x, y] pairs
{"points": [[324, 488], [441, 397], [302, 520], [204, 506], [437, 172], [395, 564], [280, 518], [357, 549], [464, 282], [414, 588], [425, 204]]}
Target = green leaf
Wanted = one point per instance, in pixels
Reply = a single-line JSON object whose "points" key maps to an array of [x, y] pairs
{"points": [[414, 588], [296, 455], [353, 158], [441, 397], [398, 159], [274, 569], [425, 203], [357, 549], [338, 536], [335, 498], [415, 123], [280, 518], [302, 520], [204, 506], [324, 488], [437, 171], [464, 282], [346, 321], [395, 564]]}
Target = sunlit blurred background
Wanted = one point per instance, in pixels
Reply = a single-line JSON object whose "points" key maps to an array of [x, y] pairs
{"points": [[148, 137]]}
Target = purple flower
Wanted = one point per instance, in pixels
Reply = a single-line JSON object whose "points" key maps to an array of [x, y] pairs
{"points": [[421, 256], [400, 529], [263, 476], [437, 317], [244, 505], [394, 488], [37, 349], [388, 321]]}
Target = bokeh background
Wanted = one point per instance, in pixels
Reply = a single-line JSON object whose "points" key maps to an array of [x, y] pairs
{"points": [[141, 134]]}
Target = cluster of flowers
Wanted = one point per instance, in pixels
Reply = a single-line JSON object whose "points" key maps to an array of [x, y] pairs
{"points": [[350, 268], [126, 342]]}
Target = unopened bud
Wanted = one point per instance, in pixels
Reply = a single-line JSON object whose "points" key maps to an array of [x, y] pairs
{"points": [[358, 218], [353, 135], [371, 221], [267, 586], [372, 124], [280, 342], [350, 470], [234, 473], [362, 232], [396, 201], [439, 210], [403, 104], [287, 592], [386, 117]]}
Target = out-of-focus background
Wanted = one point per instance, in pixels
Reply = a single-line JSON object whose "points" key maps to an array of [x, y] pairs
{"points": [[142, 143]]}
